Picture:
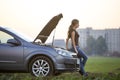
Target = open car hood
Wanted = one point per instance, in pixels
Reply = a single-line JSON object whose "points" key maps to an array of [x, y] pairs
{"points": [[49, 27]]}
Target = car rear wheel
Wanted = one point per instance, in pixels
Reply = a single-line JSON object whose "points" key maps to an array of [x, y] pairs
{"points": [[41, 66]]}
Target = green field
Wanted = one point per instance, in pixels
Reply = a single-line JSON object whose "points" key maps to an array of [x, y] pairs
{"points": [[103, 64], [98, 68]]}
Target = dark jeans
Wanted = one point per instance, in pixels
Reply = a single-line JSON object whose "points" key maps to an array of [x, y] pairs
{"points": [[83, 58]]}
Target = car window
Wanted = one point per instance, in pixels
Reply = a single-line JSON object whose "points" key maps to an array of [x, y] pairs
{"points": [[4, 37]]}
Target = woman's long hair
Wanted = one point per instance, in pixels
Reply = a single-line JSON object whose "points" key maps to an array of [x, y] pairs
{"points": [[73, 23]]}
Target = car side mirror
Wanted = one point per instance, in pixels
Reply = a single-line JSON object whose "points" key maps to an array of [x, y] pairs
{"points": [[13, 41]]}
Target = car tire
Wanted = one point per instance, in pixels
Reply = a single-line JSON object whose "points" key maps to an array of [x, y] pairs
{"points": [[41, 66]]}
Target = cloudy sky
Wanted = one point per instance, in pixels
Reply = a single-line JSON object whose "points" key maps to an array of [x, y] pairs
{"points": [[30, 16]]}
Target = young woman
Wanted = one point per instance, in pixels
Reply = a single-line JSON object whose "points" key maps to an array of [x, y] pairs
{"points": [[74, 36]]}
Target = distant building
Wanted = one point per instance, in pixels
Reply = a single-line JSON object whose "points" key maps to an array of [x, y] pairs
{"points": [[112, 37]]}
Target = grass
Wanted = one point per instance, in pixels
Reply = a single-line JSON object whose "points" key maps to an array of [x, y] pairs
{"points": [[99, 68], [103, 64]]}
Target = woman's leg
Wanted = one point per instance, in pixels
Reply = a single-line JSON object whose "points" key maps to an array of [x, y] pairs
{"points": [[82, 55], [82, 71], [83, 60]]}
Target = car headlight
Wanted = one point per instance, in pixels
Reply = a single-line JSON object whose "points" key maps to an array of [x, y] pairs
{"points": [[63, 52]]}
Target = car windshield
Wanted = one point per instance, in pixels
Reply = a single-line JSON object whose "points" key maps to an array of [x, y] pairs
{"points": [[21, 35]]}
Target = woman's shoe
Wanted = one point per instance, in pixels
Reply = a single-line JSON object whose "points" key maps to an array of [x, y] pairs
{"points": [[85, 75]]}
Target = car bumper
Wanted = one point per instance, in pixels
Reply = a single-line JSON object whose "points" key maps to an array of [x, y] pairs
{"points": [[67, 64]]}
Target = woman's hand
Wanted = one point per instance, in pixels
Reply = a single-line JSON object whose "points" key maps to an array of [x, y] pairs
{"points": [[76, 51], [67, 48]]}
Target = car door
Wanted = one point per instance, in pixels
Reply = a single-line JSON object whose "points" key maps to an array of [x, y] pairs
{"points": [[11, 56]]}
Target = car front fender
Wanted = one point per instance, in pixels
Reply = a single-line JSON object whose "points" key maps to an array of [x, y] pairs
{"points": [[28, 58]]}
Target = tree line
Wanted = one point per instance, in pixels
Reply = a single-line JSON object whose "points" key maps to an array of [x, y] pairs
{"points": [[96, 46]]}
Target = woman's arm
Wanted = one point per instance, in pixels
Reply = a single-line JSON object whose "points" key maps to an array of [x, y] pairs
{"points": [[73, 41], [67, 43]]}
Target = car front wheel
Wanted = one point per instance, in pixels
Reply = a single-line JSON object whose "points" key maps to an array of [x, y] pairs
{"points": [[41, 66]]}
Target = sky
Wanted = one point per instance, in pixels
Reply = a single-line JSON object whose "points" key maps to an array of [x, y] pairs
{"points": [[30, 16]]}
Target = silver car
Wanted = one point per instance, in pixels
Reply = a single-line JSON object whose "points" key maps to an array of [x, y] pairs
{"points": [[20, 54]]}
